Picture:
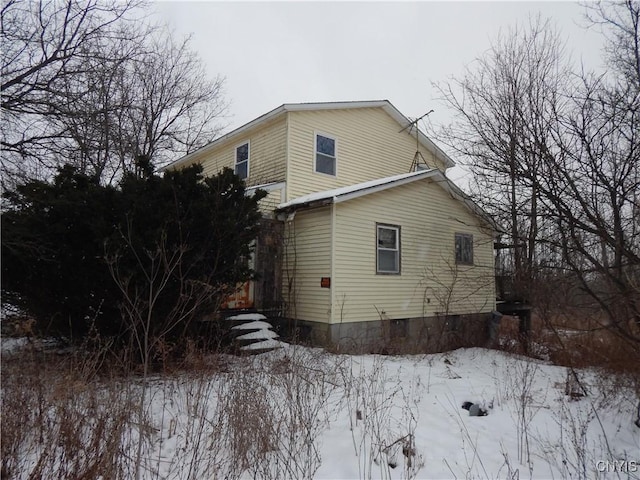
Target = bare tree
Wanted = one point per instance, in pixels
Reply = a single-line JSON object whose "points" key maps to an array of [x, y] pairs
{"points": [[591, 183], [149, 100], [176, 107], [502, 107], [44, 43], [95, 84], [619, 23], [557, 155]]}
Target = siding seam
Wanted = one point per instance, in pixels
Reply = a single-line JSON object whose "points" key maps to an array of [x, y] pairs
{"points": [[287, 154], [331, 263]]}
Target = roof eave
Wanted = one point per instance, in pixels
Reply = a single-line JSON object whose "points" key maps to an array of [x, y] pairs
{"points": [[297, 107], [213, 144], [378, 188], [404, 121], [458, 193], [364, 190]]}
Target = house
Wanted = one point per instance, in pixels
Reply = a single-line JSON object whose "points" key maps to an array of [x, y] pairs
{"points": [[367, 244]]}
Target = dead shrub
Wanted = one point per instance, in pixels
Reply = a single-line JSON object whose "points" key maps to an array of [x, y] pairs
{"points": [[577, 343], [56, 424]]}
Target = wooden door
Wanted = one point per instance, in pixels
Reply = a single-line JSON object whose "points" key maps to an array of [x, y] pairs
{"points": [[242, 298]]}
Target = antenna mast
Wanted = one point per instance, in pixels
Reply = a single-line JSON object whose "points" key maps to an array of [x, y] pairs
{"points": [[418, 155]]}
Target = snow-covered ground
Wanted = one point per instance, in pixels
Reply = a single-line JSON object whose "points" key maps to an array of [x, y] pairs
{"points": [[304, 413]]}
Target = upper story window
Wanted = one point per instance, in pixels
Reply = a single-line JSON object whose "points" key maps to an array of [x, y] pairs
{"points": [[242, 160], [388, 249], [464, 249], [325, 155]]}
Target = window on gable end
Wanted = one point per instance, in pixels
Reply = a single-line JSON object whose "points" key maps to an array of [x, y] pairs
{"points": [[464, 249], [388, 249], [242, 160], [325, 155]]}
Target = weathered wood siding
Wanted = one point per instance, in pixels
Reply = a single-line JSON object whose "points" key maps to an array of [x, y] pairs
{"points": [[268, 255], [307, 258], [430, 282], [369, 145]]}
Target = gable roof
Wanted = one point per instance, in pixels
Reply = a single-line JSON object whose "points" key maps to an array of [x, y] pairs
{"points": [[386, 105], [342, 194]]}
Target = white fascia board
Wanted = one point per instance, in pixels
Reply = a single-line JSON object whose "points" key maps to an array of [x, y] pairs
{"points": [[300, 107]]}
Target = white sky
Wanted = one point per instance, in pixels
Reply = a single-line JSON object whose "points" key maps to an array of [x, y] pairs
{"points": [[284, 52]]}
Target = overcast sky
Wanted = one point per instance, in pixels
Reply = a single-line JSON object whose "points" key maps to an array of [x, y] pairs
{"points": [[284, 52]]}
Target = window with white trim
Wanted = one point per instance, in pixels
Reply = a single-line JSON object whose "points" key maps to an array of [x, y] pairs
{"points": [[387, 249], [242, 160], [325, 155], [464, 249]]}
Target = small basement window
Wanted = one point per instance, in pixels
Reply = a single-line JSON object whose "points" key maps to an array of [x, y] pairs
{"points": [[388, 249], [399, 328], [464, 249], [242, 160], [325, 155]]}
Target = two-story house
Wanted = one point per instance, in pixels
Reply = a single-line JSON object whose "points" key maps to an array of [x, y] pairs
{"points": [[368, 242]]}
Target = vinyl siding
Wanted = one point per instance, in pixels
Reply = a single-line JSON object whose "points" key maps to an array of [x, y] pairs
{"points": [[369, 145], [307, 247], [269, 203], [267, 153], [429, 283]]}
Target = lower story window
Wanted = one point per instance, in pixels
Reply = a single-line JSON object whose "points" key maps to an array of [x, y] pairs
{"points": [[388, 249]]}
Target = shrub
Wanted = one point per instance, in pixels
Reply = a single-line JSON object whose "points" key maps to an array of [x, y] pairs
{"points": [[64, 243]]}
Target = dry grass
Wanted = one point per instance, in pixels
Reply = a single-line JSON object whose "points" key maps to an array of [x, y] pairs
{"points": [[58, 423], [78, 416], [576, 343], [226, 416]]}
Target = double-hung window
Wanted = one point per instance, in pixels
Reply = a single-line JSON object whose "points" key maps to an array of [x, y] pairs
{"points": [[325, 155], [387, 249], [242, 160], [464, 249]]}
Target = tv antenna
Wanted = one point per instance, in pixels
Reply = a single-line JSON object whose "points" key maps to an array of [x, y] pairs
{"points": [[418, 155]]}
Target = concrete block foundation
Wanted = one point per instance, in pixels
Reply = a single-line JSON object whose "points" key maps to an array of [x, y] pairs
{"points": [[393, 336]]}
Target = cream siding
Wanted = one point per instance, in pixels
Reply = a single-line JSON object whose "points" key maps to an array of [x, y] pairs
{"points": [[267, 153], [430, 283], [339, 241], [307, 247], [269, 203], [369, 145]]}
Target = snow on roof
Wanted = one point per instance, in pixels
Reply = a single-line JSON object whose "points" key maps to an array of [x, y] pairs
{"points": [[341, 194]]}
